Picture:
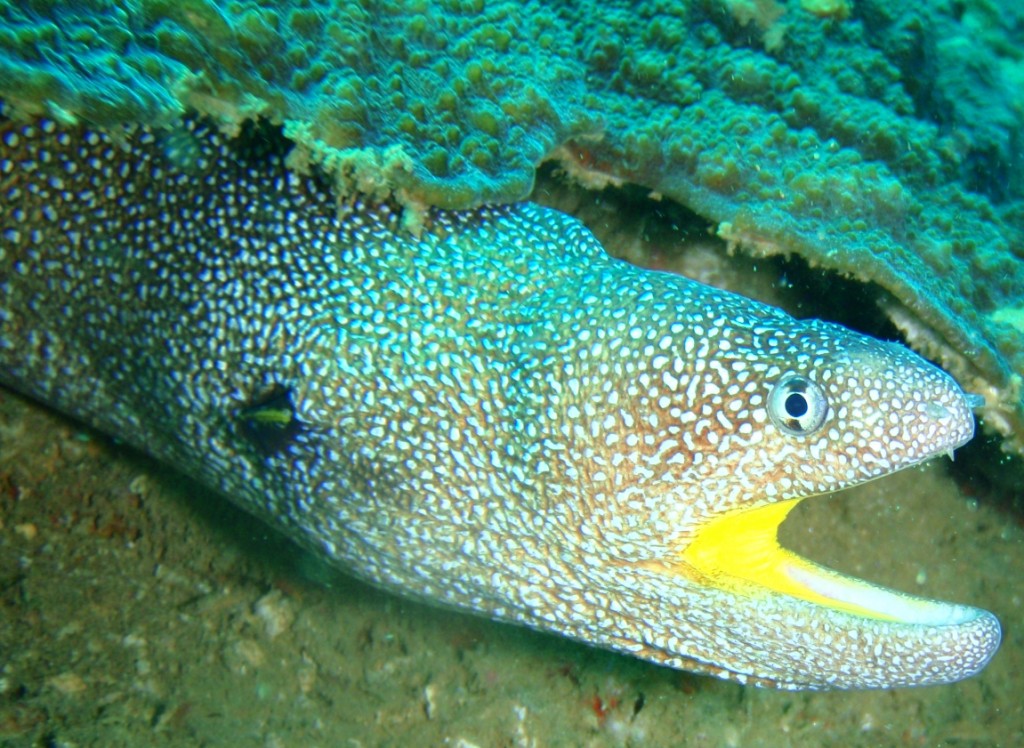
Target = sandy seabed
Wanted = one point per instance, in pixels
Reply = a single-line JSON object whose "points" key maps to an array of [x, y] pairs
{"points": [[140, 609]]}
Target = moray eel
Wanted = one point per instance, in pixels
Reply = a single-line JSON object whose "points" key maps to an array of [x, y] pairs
{"points": [[491, 414]]}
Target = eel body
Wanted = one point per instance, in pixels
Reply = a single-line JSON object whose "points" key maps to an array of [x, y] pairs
{"points": [[491, 414]]}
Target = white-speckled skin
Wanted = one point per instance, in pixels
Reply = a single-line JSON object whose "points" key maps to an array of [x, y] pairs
{"points": [[495, 416]]}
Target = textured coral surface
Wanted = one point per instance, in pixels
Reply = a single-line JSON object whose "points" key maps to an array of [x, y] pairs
{"points": [[879, 139]]}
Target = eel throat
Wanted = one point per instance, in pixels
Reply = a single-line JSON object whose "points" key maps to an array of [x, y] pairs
{"points": [[492, 414], [739, 552]]}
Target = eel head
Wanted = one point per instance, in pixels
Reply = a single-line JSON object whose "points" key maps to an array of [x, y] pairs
{"points": [[724, 416]]}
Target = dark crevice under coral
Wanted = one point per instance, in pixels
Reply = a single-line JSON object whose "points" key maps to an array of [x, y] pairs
{"points": [[661, 234]]}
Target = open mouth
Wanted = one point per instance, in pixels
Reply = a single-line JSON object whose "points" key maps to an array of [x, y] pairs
{"points": [[739, 552]]}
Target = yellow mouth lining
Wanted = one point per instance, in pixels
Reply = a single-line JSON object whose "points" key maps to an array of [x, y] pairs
{"points": [[739, 552]]}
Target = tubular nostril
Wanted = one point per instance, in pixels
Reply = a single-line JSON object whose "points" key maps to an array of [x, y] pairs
{"points": [[974, 401]]}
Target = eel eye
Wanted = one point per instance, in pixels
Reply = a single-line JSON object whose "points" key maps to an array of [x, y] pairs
{"points": [[797, 405], [269, 420]]}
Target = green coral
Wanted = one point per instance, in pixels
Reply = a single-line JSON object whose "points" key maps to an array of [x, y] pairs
{"points": [[879, 138]]}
